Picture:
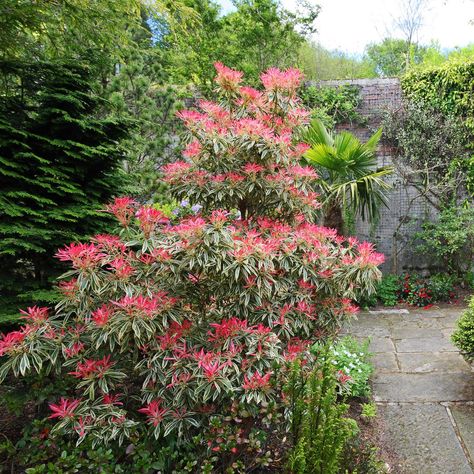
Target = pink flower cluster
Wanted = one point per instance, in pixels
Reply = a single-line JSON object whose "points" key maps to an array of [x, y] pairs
{"points": [[144, 306], [154, 412], [149, 218], [121, 268], [175, 333], [101, 316], [276, 80], [35, 314], [227, 78], [10, 342], [226, 329], [123, 209]]}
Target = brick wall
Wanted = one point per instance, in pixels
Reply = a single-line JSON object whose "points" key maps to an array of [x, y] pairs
{"points": [[393, 233]]}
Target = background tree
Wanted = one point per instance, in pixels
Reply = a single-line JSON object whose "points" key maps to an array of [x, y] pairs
{"points": [[409, 23], [141, 94], [63, 29], [388, 58], [431, 151], [393, 56], [268, 35], [321, 64], [257, 35]]}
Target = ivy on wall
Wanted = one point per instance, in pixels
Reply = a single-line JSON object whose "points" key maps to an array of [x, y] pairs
{"points": [[333, 105], [449, 89]]}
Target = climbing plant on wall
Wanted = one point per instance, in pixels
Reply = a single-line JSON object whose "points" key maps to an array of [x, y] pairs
{"points": [[333, 105], [449, 88]]}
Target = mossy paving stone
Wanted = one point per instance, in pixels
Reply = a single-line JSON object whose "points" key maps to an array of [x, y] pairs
{"points": [[424, 389], [464, 418], [381, 344], [385, 362], [424, 439], [425, 344], [411, 330], [363, 332], [432, 362]]}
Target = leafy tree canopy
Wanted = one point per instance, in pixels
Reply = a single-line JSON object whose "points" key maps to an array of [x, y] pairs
{"points": [[319, 63], [389, 56], [98, 32], [259, 34]]}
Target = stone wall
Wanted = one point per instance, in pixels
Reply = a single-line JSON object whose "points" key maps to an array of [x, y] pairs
{"points": [[393, 233]]}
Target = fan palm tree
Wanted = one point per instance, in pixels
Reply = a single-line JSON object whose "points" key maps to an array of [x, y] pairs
{"points": [[350, 178]]}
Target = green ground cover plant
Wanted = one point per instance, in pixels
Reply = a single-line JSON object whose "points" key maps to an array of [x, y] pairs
{"points": [[351, 359], [414, 290]]}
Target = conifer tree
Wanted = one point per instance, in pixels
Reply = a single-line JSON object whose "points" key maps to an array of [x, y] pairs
{"points": [[59, 162], [141, 94]]}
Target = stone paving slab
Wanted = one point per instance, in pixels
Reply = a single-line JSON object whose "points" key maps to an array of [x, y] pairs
{"points": [[363, 332], [434, 323], [413, 331], [423, 387], [425, 344], [432, 362], [372, 321], [424, 451], [385, 362], [386, 311], [381, 344], [464, 418], [414, 317]]}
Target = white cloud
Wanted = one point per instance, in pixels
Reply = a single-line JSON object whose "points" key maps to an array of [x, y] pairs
{"points": [[349, 25]]}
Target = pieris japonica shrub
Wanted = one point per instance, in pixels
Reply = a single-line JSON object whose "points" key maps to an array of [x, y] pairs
{"points": [[170, 322]]}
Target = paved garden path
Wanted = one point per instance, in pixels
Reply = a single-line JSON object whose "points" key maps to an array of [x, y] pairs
{"points": [[423, 388]]}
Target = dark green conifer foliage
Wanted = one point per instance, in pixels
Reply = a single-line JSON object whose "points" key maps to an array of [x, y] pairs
{"points": [[60, 161], [141, 94]]}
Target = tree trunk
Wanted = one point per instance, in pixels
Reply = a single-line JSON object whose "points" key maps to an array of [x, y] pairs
{"points": [[333, 217]]}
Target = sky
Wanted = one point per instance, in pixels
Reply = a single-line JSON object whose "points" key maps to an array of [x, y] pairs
{"points": [[349, 25]]}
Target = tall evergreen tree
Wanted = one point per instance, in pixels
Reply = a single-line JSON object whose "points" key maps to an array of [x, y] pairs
{"points": [[60, 161], [141, 94]]}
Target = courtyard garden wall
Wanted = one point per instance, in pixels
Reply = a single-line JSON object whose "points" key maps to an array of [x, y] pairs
{"points": [[393, 232]]}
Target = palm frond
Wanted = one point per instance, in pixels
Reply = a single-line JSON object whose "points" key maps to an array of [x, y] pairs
{"points": [[364, 195], [374, 140], [325, 156], [353, 177], [318, 134]]}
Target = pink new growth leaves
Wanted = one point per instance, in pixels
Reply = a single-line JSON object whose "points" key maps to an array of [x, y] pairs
{"points": [[192, 317]]}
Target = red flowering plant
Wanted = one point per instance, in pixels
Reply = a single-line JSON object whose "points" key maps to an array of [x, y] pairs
{"points": [[169, 323]]}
